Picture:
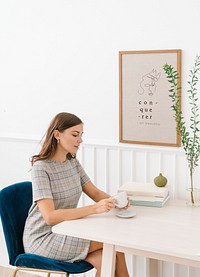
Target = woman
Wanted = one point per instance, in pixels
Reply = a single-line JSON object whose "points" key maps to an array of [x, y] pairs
{"points": [[58, 180]]}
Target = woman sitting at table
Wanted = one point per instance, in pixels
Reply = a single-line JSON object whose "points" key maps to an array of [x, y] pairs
{"points": [[58, 181]]}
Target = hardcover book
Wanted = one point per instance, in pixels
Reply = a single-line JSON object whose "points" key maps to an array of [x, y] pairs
{"points": [[144, 189], [146, 194], [148, 201]]}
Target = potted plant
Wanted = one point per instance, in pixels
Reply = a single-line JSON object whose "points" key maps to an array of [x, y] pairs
{"points": [[190, 138]]}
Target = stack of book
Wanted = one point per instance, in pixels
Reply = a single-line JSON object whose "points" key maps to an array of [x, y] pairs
{"points": [[146, 194]]}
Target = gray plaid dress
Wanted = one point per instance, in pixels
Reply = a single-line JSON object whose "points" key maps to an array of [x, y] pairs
{"points": [[63, 183]]}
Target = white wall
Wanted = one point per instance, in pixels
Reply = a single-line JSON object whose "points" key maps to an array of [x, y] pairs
{"points": [[63, 56]]}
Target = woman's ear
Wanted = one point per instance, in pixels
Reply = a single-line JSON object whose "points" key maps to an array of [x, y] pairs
{"points": [[56, 134]]}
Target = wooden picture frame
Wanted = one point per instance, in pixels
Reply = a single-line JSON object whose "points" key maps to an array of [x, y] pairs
{"points": [[145, 112]]}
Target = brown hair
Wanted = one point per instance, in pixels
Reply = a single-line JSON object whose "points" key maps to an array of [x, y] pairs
{"points": [[60, 122]]}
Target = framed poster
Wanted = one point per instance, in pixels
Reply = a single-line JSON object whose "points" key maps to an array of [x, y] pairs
{"points": [[146, 116]]}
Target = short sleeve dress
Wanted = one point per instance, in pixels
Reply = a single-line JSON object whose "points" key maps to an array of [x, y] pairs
{"points": [[62, 182]]}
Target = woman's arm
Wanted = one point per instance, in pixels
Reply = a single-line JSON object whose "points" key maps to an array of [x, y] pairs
{"points": [[53, 216], [94, 193]]}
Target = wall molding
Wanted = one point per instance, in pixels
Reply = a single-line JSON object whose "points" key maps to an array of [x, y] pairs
{"points": [[111, 144], [19, 138]]}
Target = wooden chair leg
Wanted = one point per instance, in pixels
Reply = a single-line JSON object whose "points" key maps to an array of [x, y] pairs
{"points": [[15, 272], [37, 270], [66, 274]]}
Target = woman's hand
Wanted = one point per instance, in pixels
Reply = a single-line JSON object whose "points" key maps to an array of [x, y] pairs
{"points": [[104, 205]]}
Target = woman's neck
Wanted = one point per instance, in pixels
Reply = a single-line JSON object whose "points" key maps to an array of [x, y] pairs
{"points": [[59, 157]]}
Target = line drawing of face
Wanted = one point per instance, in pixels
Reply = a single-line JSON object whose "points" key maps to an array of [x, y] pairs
{"points": [[148, 82]]}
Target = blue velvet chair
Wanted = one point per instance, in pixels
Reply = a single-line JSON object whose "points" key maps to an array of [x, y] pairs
{"points": [[15, 201]]}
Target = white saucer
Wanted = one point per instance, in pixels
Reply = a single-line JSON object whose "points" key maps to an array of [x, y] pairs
{"points": [[126, 213]]}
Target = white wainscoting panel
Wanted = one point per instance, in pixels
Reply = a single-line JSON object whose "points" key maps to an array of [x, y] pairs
{"points": [[109, 165]]}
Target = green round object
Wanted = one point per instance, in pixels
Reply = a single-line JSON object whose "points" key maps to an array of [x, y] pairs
{"points": [[160, 181]]}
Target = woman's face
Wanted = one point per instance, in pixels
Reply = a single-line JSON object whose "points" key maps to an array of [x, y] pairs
{"points": [[70, 139]]}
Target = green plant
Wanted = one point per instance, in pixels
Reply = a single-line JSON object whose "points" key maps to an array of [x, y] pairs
{"points": [[190, 139]]}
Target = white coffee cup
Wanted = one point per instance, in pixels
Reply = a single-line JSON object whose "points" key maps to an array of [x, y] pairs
{"points": [[121, 199]]}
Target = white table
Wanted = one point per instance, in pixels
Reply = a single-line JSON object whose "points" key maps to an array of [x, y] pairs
{"points": [[170, 233]]}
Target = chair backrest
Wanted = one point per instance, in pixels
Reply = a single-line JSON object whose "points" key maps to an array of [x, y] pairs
{"points": [[15, 202]]}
